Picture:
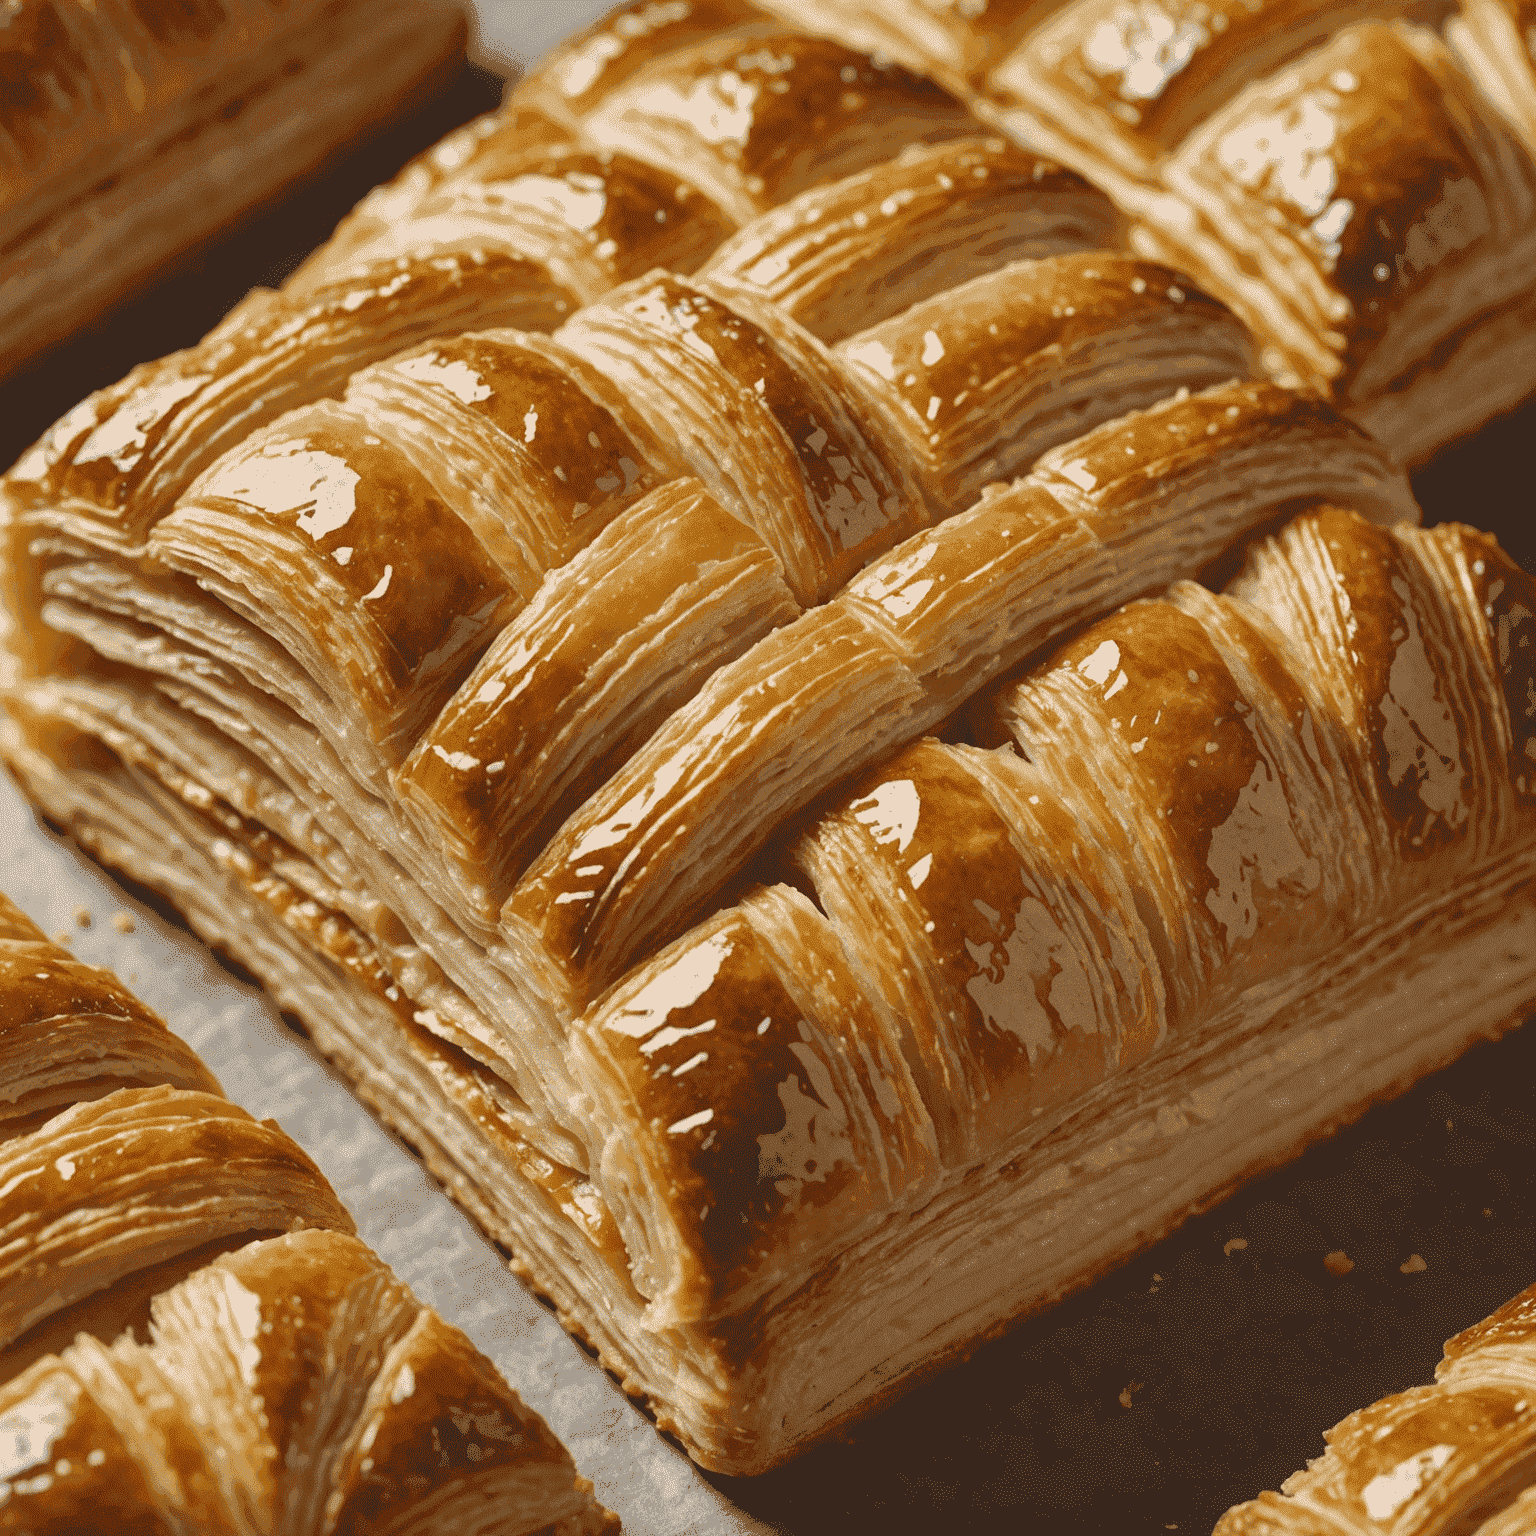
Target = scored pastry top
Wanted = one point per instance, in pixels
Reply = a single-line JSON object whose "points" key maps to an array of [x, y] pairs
{"points": [[1460, 1446], [70, 1031], [1145, 74], [1181, 805], [1365, 228], [191, 1338], [634, 704]]}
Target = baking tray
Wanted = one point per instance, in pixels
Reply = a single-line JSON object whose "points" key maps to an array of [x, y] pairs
{"points": [[1194, 1376]]}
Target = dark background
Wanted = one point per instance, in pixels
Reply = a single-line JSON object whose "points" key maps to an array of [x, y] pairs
{"points": [[1235, 1363]]}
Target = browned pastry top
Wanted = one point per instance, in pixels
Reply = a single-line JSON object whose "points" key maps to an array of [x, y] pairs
{"points": [[1455, 1455], [1156, 68], [293, 1386], [1367, 155], [711, 1046], [1185, 800], [70, 1031]]}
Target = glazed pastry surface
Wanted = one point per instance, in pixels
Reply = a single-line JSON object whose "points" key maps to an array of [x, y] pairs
{"points": [[163, 1372], [636, 734], [1459, 1454], [1360, 192]]}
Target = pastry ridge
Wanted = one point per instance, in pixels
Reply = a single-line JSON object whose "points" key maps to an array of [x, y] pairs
{"points": [[131, 133], [289, 1384], [556, 715], [1456, 1452]]}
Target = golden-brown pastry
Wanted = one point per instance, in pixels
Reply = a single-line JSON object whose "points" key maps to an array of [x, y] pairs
{"points": [[476, 693], [70, 1033], [130, 132], [1363, 200], [216, 1423], [1398, 273], [1497, 38], [1459, 1455], [133, 1213], [1027, 1004], [446, 975]]}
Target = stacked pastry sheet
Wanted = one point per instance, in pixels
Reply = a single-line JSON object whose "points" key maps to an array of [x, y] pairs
{"points": [[654, 743], [191, 1338]]}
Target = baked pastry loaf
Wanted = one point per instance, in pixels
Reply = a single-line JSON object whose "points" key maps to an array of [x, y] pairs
{"points": [[1456, 1456], [453, 689], [134, 1212], [1362, 196], [130, 132], [1028, 991]]}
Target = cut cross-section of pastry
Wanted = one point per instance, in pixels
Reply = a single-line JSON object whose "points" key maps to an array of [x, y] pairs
{"points": [[165, 1373], [1458, 1455]]}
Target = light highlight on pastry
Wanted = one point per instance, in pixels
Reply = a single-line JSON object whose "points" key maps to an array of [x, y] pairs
{"points": [[1459, 1454]]}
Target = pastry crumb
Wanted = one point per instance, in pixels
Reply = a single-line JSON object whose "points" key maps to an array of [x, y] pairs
{"points": [[123, 922], [1338, 1262], [1413, 1265], [1125, 1393], [83, 916], [63, 936], [1234, 1245]]}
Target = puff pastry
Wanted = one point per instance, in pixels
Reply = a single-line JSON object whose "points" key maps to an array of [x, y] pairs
{"points": [[495, 697], [131, 130], [167, 1213], [1360, 188], [1459, 1455]]}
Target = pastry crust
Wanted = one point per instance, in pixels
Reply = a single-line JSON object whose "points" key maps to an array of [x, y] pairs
{"points": [[499, 706], [1183, 974], [1457, 1455], [1363, 201], [289, 1384], [130, 133]]}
